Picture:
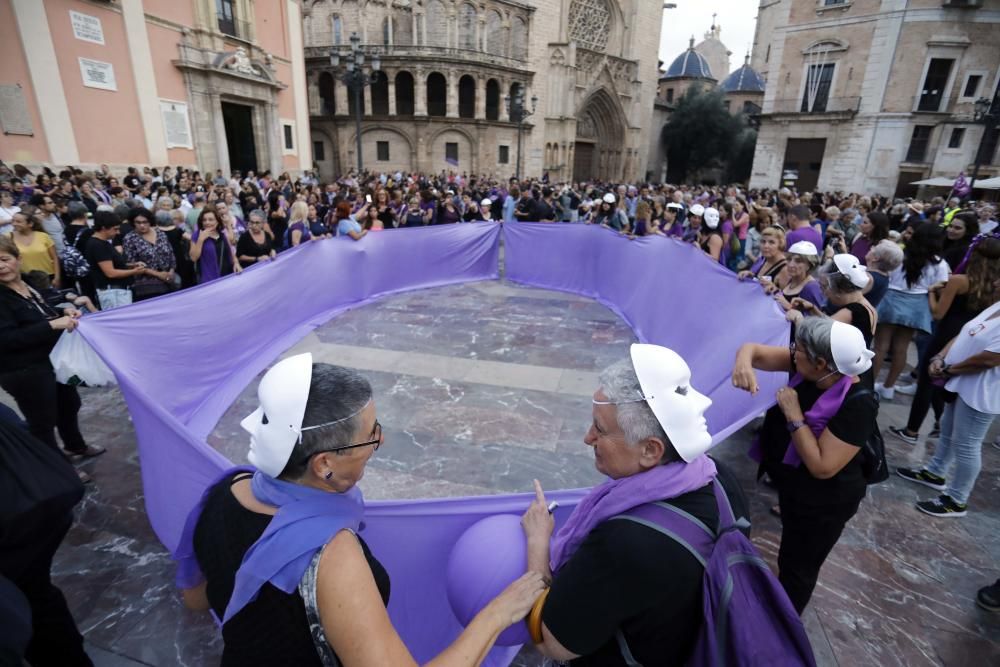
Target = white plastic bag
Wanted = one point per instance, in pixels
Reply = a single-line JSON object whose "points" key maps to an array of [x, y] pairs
{"points": [[76, 363]]}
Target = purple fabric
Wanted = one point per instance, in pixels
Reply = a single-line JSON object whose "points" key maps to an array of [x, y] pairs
{"points": [[620, 495], [804, 233], [307, 519], [153, 346]]}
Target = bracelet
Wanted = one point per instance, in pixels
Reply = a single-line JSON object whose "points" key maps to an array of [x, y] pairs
{"points": [[534, 619]]}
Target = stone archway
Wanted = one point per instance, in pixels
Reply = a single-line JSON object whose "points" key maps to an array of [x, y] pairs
{"points": [[600, 139]]}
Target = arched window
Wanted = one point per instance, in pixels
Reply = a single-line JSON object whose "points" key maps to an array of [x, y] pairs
{"points": [[327, 93], [467, 97], [519, 39], [380, 95], [494, 33], [350, 11], [437, 23], [437, 95], [338, 30], [387, 31], [467, 27], [404, 94], [492, 100]]}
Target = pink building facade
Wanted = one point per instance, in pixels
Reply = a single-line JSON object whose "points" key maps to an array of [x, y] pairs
{"points": [[208, 84]]}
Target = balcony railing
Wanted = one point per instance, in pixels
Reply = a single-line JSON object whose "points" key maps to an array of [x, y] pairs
{"points": [[236, 28], [834, 105], [407, 51]]}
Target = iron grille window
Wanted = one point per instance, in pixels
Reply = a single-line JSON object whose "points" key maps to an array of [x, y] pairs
{"points": [[972, 86], [504, 155], [227, 17], [319, 151], [289, 139], [918, 143], [382, 151], [957, 134], [451, 152], [937, 78]]}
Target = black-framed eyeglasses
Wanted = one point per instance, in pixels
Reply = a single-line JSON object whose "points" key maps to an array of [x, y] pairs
{"points": [[377, 441]]}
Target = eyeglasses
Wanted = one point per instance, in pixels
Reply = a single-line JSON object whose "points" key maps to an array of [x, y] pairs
{"points": [[377, 441]]}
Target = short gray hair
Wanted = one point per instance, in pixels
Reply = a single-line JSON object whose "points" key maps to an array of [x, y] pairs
{"points": [[812, 336], [619, 383], [257, 213], [335, 393], [836, 281], [165, 199], [163, 218], [887, 255]]}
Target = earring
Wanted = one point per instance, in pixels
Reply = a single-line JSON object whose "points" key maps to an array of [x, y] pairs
{"points": [[328, 475]]}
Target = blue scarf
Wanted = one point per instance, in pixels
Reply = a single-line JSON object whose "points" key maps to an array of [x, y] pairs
{"points": [[307, 519]]}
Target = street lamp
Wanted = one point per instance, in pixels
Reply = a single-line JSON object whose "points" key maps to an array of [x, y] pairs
{"points": [[987, 112], [518, 112], [356, 79]]}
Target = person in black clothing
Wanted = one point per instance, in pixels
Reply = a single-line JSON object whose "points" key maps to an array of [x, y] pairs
{"points": [[255, 246], [818, 496], [337, 611], [29, 329], [546, 209], [110, 272], [625, 577], [525, 210]]}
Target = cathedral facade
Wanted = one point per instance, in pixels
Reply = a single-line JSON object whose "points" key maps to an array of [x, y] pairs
{"points": [[449, 67]]}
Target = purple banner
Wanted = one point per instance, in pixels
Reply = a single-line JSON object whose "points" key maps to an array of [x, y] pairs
{"points": [[182, 359]]}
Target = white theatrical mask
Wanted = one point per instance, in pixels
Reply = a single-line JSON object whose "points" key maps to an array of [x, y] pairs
{"points": [[275, 427]]}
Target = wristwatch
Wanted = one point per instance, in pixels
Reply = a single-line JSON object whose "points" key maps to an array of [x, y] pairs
{"points": [[794, 426]]}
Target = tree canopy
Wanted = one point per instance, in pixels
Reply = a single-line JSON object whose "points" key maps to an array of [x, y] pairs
{"points": [[702, 134]]}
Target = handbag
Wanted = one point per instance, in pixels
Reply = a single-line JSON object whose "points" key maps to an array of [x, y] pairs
{"points": [[33, 478]]}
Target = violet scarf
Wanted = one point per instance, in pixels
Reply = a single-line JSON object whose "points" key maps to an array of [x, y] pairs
{"points": [[307, 519], [620, 495], [816, 418]]}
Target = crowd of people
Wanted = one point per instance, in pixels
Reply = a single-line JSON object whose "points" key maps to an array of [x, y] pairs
{"points": [[862, 280]]}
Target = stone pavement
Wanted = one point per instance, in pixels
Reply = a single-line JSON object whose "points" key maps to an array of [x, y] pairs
{"points": [[481, 388]]}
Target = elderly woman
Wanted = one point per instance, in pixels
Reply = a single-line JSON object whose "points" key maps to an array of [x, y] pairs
{"points": [[814, 459], [211, 251], [884, 257], [802, 258], [311, 438], [769, 266], [969, 365], [149, 245], [623, 581], [29, 329], [843, 280], [255, 246]]}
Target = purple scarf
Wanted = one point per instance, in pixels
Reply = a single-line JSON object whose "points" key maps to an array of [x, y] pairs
{"points": [[818, 416], [620, 495], [307, 519]]}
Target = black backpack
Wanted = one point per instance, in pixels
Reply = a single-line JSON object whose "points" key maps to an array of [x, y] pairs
{"points": [[873, 463]]}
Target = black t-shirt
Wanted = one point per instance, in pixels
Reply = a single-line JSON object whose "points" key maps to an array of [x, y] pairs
{"points": [[97, 251], [853, 424], [131, 182], [248, 247], [525, 210], [630, 577], [544, 211]]}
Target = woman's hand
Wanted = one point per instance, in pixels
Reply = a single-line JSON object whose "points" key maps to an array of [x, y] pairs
{"points": [[537, 521], [516, 600], [744, 376], [788, 401], [935, 368], [768, 286], [64, 323], [237, 268], [794, 316], [744, 275]]}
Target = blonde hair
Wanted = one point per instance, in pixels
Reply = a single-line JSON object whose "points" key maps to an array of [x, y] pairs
{"points": [[299, 212], [642, 211], [776, 232]]}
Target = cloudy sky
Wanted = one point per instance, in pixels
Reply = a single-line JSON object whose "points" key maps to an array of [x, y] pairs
{"points": [[694, 17]]}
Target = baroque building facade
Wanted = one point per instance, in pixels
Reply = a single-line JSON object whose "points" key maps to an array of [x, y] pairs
{"points": [[872, 95], [208, 84], [449, 65]]}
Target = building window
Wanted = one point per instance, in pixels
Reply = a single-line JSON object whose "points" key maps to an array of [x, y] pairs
{"points": [[670, 94], [319, 151], [227, 16], [918, 143], [831, 3], [382, 151], [932, 92], [504, 155], [957, 135], [289, 133], [727, 103], [338, 30], [451, 152], [972, 85], [817, 93]]}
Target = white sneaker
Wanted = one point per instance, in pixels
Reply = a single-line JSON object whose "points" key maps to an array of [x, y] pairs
{"points": [[884, 392], [906, 389]]}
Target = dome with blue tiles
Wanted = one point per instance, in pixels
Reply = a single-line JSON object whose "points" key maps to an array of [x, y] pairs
{"points": [[689, 65], [744, 80]]}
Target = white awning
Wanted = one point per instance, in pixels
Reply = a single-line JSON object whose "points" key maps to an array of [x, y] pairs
{"points": [[940, 182], [988, 184]]}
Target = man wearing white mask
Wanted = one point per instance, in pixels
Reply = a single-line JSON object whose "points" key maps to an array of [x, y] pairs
{"points": [[616, 580], [811, 442]]}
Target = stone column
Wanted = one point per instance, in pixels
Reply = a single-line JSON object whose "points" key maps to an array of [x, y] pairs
{"points": [[367, 92], [313, 94], [340, 97], [481, 97], [452, 110], [504, 109], [391, 76], [420, 92], [221, 145]]}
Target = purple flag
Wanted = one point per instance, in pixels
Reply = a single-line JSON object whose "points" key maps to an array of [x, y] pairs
{"points": [[961, 187]]}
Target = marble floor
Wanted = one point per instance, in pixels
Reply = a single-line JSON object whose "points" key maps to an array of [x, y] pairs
{"points": [[483, 387]]}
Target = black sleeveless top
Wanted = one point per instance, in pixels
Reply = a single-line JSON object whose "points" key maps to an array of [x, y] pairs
{"points": [[951, 324], [273, 629]]}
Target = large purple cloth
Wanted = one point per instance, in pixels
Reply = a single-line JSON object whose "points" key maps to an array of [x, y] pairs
{"points": [[182, 359], [616, 496]]}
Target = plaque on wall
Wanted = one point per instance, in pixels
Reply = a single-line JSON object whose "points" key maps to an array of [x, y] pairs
{"points": [[14, 116], [87, 27], [97, 74], [176, 126]]}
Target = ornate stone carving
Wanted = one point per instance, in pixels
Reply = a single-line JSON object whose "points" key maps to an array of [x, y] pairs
{"points": [[239, 61], [589, 23], [558, 57]]}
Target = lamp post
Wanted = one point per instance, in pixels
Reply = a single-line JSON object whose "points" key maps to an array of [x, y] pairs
{"points": [[987, 112], [356, 79], [518, 112]]}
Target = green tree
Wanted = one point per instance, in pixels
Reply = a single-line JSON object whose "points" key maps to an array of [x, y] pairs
{"points": [[741, 160], [700, 134]]}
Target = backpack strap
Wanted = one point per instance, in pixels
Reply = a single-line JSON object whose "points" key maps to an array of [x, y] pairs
{"points": [[676, 524]]}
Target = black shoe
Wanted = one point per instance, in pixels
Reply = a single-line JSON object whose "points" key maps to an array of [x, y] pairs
{"points": [[988, 597], [922, 477], [936, 431], [944, 506], [903, 435]]}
